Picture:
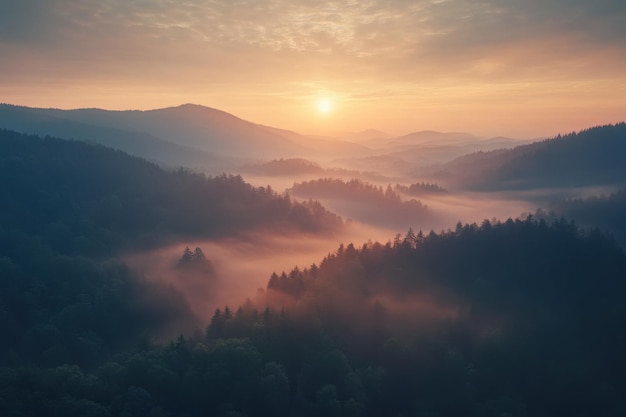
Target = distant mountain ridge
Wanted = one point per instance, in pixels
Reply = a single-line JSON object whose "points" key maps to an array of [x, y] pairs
{"points": [[184, 135], [52, 122]]}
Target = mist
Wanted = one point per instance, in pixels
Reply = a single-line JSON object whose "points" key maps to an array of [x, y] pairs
{"points": [[242, 266]]}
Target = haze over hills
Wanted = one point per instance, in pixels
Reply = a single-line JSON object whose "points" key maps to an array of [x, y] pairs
{"points": [[192, 125], [215, 141], [139, 143], [400, 155], [367, 136], [190, 135]]}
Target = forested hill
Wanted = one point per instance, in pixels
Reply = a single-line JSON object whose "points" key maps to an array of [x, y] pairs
{"points": [[82, 198], [595, 156], [519, 318], [365, 202], [605, 212], [68, 208]]}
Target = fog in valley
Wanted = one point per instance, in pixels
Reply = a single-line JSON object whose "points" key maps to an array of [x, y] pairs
{"points": [[242, 264]]}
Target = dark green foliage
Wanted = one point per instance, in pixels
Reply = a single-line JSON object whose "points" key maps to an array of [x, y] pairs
{"points": [[605, 212], [82, 199], [595, 156], [66, 309], [536, 332], [58, 309], [533, 316], [195, 261]]}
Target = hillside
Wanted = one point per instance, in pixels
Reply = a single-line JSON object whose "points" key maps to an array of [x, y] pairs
{"points": [[596, 156], [605, 212], [81, 198], [52, 122], [189, 135], [71, 210], [481, 320], [365, 202]]}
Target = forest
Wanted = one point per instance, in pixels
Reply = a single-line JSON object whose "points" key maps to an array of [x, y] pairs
{"points": [[593, 156], [365, 202], [87, 199], [522, 323], [605, 212], [520, 317]]}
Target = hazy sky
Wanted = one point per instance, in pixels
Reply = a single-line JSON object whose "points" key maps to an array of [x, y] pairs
{"points": [[494, 67]]}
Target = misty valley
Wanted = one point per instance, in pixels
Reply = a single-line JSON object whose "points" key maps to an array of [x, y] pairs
{"points": [[186, 262]]}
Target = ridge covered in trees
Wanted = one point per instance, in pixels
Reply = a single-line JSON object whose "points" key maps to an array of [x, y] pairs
{"points": [[594, 156], [84, 199], [366, 202], [70, 208]]}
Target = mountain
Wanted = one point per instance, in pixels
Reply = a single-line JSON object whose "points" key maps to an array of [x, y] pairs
{"points": [[200, 127], [188, 135], [322, 146], [430, 137], [591, 157], [365, 202], [369, 136], [66, 124], [87, 199], [400, 155]]}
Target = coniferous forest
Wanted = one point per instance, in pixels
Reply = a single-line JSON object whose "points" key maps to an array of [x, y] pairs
{"points": [[514, 317]]}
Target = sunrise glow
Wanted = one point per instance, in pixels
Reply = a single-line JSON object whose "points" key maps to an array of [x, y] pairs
{"points": [[498, 69], [324, 105]]}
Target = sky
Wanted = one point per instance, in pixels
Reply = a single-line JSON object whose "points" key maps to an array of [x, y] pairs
{"points": [[524, 69]]}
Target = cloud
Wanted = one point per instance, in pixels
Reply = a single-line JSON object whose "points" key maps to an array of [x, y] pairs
{"points": [[408, 31]]}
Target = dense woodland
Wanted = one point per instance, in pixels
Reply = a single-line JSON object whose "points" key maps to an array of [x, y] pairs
{"points": [[78, 198], [595, 156], [69, 208], [520, 318], [605, 212], [366, 202], [524, 322]]}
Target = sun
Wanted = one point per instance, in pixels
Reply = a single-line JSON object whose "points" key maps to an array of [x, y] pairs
{"points": [[324, 105]]}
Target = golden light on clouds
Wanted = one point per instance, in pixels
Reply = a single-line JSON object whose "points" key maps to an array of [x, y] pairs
{"points": [[494, 67]]}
